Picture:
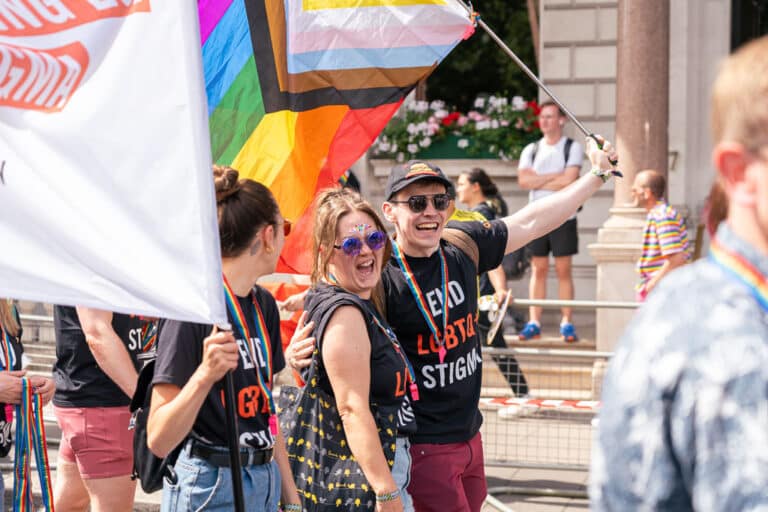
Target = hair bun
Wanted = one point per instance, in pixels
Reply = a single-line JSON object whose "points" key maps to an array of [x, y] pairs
{"points": [[226, 181]]}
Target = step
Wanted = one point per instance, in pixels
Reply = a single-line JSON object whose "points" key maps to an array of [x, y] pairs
{"points": [[39, 348], [552, 377]]}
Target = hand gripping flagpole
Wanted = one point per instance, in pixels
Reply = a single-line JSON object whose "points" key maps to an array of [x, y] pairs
{"points": [[506, 49], [233, 436]]}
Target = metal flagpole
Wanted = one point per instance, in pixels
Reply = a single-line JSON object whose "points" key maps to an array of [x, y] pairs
{"points": [[233, 440], [478, 20], [233, 436]]}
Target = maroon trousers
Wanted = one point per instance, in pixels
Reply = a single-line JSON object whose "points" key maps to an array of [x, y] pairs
{"points": [[448, 477]]}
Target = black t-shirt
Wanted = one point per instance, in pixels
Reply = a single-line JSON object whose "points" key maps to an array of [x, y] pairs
{"points": [[447, 411], [79, 380], [180, 352], [388, 382]]}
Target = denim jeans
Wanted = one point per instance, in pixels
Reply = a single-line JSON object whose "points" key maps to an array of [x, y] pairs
{"points": [[202, 486], [401, 471]]}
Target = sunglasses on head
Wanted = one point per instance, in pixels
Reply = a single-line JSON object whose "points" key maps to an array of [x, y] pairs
{"points": [[352, 245], [418, 204]]}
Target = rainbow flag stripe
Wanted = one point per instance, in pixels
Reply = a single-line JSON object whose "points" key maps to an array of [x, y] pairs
{"points": [[741, 269], [299, 89]]}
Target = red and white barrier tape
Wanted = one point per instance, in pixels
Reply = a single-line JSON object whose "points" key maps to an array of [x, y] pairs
{"points": [[536, 403]]}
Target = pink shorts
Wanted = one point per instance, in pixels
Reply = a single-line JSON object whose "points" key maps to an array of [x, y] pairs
{"points": [[448, 477], [97, 439]]}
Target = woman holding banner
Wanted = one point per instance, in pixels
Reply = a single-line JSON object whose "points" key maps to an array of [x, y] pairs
{"points": [[192, 359]]}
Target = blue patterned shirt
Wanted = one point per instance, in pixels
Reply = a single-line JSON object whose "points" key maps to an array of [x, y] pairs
{"points": [[684, 420]]}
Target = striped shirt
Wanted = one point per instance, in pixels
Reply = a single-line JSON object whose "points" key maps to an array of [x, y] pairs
{"points": [[664, 235]]}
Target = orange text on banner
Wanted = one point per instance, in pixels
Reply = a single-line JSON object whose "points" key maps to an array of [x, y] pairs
{"points": [[33, 17], [40, 79]]}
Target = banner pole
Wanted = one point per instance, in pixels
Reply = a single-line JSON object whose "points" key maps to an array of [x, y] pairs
{"points": [[233, 440]]}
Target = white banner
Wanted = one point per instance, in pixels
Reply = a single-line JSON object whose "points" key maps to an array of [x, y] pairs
{"points": [[106, 191]]}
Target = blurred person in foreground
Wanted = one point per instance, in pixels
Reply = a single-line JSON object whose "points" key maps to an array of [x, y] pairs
{"points": [[684, 421]]}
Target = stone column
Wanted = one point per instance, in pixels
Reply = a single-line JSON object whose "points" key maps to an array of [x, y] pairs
{"points": [[642, 112]]}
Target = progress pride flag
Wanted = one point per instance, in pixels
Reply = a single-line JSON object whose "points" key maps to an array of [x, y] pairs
{"points": [[106, 193]]}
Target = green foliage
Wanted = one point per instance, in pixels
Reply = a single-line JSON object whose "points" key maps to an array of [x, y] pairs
{"points": [[478, 67]]}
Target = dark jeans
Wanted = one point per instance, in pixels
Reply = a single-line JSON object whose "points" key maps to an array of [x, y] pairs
{"points": [[507, 363]]}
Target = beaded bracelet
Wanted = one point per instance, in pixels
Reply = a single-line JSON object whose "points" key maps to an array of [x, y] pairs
{"points": [[292, 507], [389, 496]]}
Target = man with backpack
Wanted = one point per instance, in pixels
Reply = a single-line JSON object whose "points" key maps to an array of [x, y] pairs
{"points": [[546, 166]]}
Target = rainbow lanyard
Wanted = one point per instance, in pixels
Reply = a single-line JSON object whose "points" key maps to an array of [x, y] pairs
{"points": [[393, 339], [148, 335], [261, 331], [5, 346], [421, 303], [30, 429], [738, 266]]}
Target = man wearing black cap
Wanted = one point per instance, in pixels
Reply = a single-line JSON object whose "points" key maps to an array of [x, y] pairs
{"points": [[431, 296]]}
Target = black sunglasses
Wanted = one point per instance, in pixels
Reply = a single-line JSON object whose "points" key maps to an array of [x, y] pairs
{"points": [[418, 204], [353, 245]]}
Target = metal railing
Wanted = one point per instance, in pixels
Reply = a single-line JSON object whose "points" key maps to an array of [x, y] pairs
{"points": [[539, 405]]}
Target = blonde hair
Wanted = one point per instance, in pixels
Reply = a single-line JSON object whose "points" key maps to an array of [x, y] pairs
{"points": [[331, 206], [740, 97], [8, 318]]}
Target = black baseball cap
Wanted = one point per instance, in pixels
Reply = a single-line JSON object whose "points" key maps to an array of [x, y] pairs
{"points": [[411, 172]]}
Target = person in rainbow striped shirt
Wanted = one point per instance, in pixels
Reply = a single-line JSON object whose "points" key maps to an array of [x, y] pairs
{"points": [[665, 238]]}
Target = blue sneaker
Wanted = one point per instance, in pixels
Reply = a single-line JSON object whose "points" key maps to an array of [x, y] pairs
{"points": [[568, 331], [530, 331]]}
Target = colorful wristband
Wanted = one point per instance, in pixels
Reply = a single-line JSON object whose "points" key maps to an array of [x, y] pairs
{"points": [[292, 507], [603, 175], [390, 496]]}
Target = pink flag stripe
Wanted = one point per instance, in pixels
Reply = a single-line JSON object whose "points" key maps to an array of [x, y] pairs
{"points": [[210, 12], [394, 37]]}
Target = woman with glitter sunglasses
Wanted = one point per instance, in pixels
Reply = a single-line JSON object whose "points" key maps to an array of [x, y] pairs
{"points": [[360, 357]]}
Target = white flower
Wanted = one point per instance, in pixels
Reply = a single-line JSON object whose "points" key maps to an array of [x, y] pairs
{"points": [[400, 157], [437, 105], [421, 106], [518, 103], [384, 147], [494, 124], [482, 125], [479, 102], [425, 142], [412, 129], [422, 127], [412, 148], [440, 114], [462, 143]]}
